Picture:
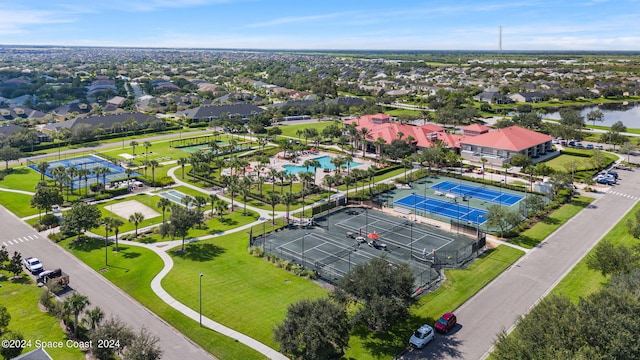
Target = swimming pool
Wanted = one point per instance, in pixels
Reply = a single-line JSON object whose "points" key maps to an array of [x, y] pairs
{"points": [[325, 163]]}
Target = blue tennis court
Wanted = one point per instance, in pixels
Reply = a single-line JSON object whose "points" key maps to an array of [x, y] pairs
{"points": [[89, 162], [478, 192], [457, 211]]}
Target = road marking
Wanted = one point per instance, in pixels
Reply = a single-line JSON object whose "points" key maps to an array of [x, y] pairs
{"points": [[32, 238], [10, 243], [19, 239], [4, 243]]}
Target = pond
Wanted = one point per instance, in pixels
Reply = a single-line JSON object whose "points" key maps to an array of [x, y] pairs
{"points": [[628, 114]]}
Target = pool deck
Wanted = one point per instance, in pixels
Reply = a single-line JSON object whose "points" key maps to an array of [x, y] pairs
{"points": [[278, 164]]}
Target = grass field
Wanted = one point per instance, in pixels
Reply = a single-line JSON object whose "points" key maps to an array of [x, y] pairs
{"points": [[290, 130], [565, 162], [19, 204], [582, 281], [459, 286], [21, 178], [21, 299], [132, 270], [243, 292], [534, 235]]}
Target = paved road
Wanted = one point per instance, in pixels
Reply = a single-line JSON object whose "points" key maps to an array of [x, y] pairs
{"points": [[519, 288], [18, 236]]}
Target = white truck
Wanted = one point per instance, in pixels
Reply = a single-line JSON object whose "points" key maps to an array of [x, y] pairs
{"points": [[33, 265]]}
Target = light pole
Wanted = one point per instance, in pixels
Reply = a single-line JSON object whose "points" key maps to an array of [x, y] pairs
{"points": [[303, 236], [366, 217], [411, 242], [201, 275], [415, 212]]}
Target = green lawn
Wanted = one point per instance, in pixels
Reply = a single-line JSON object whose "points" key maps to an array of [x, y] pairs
{"points": [[290, 130], [531, 237], [19, 204], [565, 162], [132, 269], [21, 299], [459, 286], [582, 281], [21, 178], [243, 292]]}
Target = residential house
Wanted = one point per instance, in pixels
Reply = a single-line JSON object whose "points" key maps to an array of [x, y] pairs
{"points": [[209, 113], [17, 112], [529, 97], [475, 130], [73, 109], [110, 122], [493, 97]]}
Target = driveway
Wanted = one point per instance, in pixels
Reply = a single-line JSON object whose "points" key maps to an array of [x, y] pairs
{"points": [[18, 236], [519, 288]]}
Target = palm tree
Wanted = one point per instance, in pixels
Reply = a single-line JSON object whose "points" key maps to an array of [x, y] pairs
{"points": [[245, 190], [136, 218], [145, 165], [128, 172], [379, 143], [93, 317], [233, 187], [371, 172], [315, 164], [365, 136], [336, 162], [274, 174], [187, 201], [483, 160], [133, 145], [291, 178], [347, 180], [84, 174], [163, 204], [406, 164], [221, 207], [42, 168], [115, 224], [146, 145], [213, 198], [59, 173], [200, 201], [100, 170], [288, 199], [274, 199], [107, 221], [75, 304], [154, 164], [182, 162], [282, 175]]}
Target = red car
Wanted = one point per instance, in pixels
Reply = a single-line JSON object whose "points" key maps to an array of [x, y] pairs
{"points": [[445, 323]]}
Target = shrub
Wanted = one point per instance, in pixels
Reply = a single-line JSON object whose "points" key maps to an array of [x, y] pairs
{"points": [[56, 237], [50, 220]]}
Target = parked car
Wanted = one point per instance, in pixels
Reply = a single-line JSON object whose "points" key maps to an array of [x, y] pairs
{"points": [[571, 143], [599, 147], [445, 323], [422, 336], [606, 180], [589, 146], [622, 167], [33, 265], [579, 145]]}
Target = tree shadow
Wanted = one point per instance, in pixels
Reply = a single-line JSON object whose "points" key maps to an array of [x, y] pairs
{"points": [[228, 222], [551, 221], [86, 244], [525, 241], [200, 252]]}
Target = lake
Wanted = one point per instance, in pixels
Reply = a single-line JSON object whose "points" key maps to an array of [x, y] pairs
{"points": [[628, 114]]}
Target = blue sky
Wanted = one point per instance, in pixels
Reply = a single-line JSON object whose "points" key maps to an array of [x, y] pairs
{"points": [[327, 24]]}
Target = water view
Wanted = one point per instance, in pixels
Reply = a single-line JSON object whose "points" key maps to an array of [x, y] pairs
{"points": [[629, 114], [325, 163]]}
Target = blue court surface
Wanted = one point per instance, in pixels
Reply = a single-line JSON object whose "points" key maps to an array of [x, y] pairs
{"points": [[478, 192], [457, 211], [89, 162]]}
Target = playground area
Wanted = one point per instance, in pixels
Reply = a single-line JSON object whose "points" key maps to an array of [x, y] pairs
{"points": [[332, 244], [89, 162]]}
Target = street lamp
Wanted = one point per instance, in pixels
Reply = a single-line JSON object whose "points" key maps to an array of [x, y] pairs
{"points": [[303, 236], [411, 242], [415, 212], [201, 275]]}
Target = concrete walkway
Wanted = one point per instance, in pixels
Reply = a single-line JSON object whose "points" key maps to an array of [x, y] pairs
{"points": [[18, 191]]}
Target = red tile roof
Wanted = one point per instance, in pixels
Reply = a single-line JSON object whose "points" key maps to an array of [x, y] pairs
{"points": [[476, 128], [388, 130], [512, 138]]}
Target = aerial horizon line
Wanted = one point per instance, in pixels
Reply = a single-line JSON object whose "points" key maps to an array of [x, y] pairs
{"points": [[496, 51]]}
